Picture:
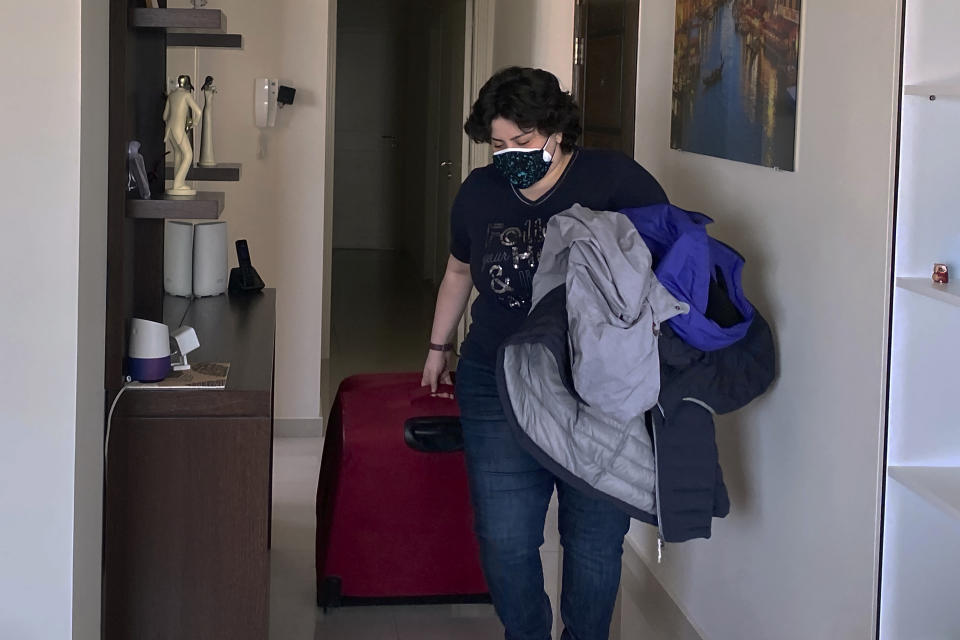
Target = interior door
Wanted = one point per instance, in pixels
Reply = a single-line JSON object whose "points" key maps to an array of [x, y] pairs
{"points": [[605, 71], [368, 156], [450, 117]]}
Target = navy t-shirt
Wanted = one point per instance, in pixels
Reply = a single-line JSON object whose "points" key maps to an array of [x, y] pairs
{"points": [[499, 233]]}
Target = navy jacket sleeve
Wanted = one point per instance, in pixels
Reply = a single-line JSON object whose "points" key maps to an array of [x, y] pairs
{"points": [[636, 187]]}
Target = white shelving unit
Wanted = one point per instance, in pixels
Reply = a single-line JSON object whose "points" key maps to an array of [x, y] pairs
{"points": [[920, 572], [920, 577], [938, 90], [940, 486], [949, 293]]}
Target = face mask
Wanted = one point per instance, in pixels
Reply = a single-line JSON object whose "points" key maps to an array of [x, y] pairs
{"points": [[523, 167]]}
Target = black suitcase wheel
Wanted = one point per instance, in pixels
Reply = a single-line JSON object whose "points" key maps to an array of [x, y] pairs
{"points": [[328, 592]]}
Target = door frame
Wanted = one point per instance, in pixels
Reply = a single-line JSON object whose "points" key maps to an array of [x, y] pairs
{"points": [[481, 18], [629, 72], [432, 160], [478, 60]]}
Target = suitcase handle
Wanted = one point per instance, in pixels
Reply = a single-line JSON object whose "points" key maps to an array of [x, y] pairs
{"points": [[436, 434], [423, 394]]}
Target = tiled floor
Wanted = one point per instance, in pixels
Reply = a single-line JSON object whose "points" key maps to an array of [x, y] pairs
{"points": [[381, 320]]}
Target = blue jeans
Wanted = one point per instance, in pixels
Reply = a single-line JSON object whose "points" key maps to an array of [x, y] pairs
{"points": [[510, 492]]}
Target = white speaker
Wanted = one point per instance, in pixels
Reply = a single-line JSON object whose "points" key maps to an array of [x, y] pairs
{"points": [[178, 258], [148, 355], [209, 258]]}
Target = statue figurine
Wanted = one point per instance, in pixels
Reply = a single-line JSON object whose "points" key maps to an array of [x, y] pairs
{"points": [[206, 132], [180, 106]]}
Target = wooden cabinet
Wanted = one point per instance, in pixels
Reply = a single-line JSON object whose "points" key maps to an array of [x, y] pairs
{"points": [[187, 497], [188, 487]]}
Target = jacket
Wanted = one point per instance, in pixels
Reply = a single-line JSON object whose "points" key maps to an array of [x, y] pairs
{"points": [[695, 386], [562, 377], [692, 266], [614, 306], [578, 377]]}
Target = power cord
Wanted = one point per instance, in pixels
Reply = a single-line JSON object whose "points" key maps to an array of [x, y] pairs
{"points": [[106, 439]]}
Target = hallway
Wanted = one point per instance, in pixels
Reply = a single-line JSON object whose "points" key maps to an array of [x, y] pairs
{"points": [[381, 314]]}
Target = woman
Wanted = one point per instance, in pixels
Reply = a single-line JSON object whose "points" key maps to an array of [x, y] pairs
{"points": [[497, 228]]}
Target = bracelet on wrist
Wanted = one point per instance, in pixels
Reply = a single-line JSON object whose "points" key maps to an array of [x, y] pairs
{"points": [[441, 347]]}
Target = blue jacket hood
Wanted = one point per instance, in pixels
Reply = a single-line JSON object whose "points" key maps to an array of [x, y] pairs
{"points": [[691, 265]]}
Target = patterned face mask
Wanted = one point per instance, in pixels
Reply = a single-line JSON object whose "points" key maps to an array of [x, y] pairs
{"points": [[523, 167]]}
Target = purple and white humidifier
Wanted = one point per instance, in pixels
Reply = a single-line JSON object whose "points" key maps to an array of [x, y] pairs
{"points": [[148, 358]]}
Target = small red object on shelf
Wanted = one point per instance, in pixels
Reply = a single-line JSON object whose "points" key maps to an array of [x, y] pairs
{"points": [[941, 275]]}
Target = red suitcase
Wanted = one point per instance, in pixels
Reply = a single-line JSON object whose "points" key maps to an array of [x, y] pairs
{"points": [[394, 522]]}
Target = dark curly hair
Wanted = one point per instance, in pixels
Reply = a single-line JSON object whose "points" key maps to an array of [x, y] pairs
{"points": [[532, 98]]}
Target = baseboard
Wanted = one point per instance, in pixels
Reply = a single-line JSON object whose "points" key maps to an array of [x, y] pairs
{"points": [[646, 608], [298, 427]]}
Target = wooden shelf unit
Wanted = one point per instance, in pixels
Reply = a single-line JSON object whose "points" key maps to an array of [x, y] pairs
{"points": [[205, 205], [184, 20], [222, 172], [139, 40], [188, 484], [208, 40]]}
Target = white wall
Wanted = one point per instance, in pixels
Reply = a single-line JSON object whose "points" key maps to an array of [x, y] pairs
{"points": [[304, 197], [796, 558], [535, 33], [88, 489], [278, 205], [51, 388]]}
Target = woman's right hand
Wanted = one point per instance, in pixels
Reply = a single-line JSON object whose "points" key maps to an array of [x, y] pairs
{"points": [[436, 371], [451, 302]]}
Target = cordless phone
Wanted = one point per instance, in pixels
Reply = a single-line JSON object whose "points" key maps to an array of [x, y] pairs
{"points": [[244, 278]]}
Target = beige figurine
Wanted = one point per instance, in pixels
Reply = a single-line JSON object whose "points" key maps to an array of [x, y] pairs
{"points": [[206, 132], [180, 104]]}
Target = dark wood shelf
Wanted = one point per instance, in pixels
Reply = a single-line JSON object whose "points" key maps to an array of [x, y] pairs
{"points": [[204, 205], [189, 20], [223, 172], [220, 40]]}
